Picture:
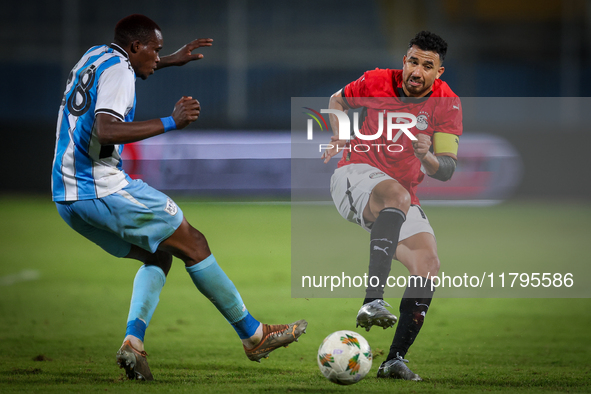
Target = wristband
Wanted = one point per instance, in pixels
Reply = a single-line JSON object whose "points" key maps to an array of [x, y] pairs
{"points": [[169, 123], [447, 166]]}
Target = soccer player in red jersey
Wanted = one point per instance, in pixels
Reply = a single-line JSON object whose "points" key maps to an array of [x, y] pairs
{"points": [[377, 177]]}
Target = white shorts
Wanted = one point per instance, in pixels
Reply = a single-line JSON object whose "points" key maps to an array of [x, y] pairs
{"points": [[351, 186]]}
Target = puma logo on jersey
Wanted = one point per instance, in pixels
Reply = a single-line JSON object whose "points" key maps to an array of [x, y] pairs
{"points": [[456, 107]]}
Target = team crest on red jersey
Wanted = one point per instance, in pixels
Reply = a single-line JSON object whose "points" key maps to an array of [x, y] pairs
{"points": [[422, 121]]}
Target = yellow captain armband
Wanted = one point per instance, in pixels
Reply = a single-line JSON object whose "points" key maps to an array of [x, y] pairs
{"points": [[445, 143]]}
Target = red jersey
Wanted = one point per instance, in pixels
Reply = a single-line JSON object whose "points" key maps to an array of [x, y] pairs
{"points": [[380, 92]]}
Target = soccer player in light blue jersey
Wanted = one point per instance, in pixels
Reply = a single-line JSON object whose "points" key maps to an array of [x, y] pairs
{"points": [[128, 218]]}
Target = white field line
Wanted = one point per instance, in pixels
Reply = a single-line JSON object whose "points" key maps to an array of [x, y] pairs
{"points": [[23, 276]]}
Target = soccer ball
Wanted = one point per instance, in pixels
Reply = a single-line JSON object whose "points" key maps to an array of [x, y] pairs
{"points": [[344, 357]]}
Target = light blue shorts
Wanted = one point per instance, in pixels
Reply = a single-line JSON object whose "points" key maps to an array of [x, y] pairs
{"points": [[136, 215]]}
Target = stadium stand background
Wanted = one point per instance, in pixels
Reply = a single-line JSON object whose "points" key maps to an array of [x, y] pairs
{"points": [[266, 52]]}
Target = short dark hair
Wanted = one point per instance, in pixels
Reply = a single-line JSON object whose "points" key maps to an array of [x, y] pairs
{"points": [[135, 27], [428, 41]]}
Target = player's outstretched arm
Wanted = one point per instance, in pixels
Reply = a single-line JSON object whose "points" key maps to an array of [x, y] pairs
{"points": [[111, 131], [336, 102], [184, 55]]}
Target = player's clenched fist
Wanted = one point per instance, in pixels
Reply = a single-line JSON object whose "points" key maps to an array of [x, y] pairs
{"points": [[421, 145], [186, 111]]}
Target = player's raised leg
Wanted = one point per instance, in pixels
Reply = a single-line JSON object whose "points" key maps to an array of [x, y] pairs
{"points": [[387, 207], [418, 253], [258, 339]]}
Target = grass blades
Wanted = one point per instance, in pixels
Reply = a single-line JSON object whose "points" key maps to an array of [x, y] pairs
{"points": [[64, 306]]}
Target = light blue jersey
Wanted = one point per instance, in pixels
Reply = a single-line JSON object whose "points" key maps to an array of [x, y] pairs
{"points": [[103, 81]]}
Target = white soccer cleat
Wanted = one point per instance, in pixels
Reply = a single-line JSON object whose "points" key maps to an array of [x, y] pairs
{"points": [[375, 314], [397, 369]]}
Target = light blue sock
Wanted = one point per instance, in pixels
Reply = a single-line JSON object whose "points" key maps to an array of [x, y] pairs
{"points": [[147, 285], [213, 283]]}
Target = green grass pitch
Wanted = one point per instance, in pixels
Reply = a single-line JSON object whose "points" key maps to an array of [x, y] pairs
{"points": [[61, 325]]}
